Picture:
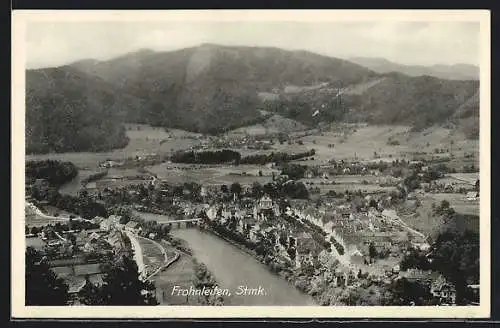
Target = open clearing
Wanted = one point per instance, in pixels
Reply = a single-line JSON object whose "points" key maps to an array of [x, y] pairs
{"points": [[243, 174], [154, 217], [458, 202], [145, 141], [274, 124], [430, 224], [365, 141], [79, 270], [153, 257], [181, 273]]}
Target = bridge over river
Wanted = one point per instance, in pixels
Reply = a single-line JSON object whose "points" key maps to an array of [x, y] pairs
{"points": [[233, 267]]}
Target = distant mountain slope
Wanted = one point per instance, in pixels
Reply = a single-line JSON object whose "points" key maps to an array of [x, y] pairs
{"points": [[393, 99], [450, 72], [67, 110], [419, 101], [212, 89]]}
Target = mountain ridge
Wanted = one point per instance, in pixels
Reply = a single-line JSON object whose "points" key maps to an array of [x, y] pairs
{"points": [[458, 71], [213, 89]]}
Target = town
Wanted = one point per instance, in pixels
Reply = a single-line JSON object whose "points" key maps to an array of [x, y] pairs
{"points": [[342, 231]]}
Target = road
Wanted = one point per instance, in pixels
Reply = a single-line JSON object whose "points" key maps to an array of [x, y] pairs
{"points": [[59, 236], [50, 217], [138, 257], [396, 219]]}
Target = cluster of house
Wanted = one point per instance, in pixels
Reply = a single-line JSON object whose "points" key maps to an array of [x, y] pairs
{"points": [[112, 223], [451, 187], [246, 142], [340, 223], [438, 285], [104, 241]]}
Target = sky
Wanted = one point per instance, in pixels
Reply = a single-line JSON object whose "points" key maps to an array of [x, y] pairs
{"points": [[413, 43]]}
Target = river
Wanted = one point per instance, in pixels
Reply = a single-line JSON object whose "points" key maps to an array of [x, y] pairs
{"points": [[233, 267]]}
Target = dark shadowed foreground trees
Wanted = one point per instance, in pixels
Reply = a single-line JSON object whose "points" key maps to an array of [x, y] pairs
{"points": [[56, 173], [121, 286], [43, 287]]}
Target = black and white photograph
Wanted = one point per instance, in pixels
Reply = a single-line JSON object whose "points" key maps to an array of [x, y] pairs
{"points": [[251, 161]]}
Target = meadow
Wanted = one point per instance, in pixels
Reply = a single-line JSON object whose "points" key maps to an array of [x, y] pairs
{"points": [[153, 257], [366, 142], [243, 174], [144, 140], [459, 203], [425, 220]]}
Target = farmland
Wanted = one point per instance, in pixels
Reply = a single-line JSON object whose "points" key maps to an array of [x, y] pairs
{"points": [[144, 140], [181, 273], [458, 202], [151, 252], [77, 270], [243, 174], [425, 220], [274, 124], [363, 142]]}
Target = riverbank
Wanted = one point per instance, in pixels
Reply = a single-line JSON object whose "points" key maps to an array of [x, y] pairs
{"points": [[289, 275], [180, 273], [241, 273], [138, 256]]}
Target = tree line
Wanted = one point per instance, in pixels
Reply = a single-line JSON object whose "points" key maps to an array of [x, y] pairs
{"points": [[121, 284], [55, 172], [206, 157], [230, 156]]}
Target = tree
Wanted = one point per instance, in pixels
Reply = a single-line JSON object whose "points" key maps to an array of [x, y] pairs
{"points": [[122, 285], [372, 251], [405, 292], [257, 189], [293, 171], [373, 203], [72, 239], [90, 294], [414, 260], [236, 189], [43, 287], [456, 256]]}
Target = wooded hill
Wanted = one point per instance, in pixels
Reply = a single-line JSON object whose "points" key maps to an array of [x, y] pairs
{"points": [[212, 89]]}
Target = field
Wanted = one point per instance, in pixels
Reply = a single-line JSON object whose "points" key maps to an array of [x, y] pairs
{"points": [[458, 202], [365, 141], [430, 224], [181, 273], [274, 124], [35, 242], [470, 178], [154, 217], [144, 140], [153, 257], [79, 270], [177, 173]]}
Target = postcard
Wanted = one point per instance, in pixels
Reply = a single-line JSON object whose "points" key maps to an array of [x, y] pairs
{"points": [[251, 164]]}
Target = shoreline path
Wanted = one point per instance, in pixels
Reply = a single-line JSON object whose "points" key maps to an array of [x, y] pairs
{"points": [[138, 257]]}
